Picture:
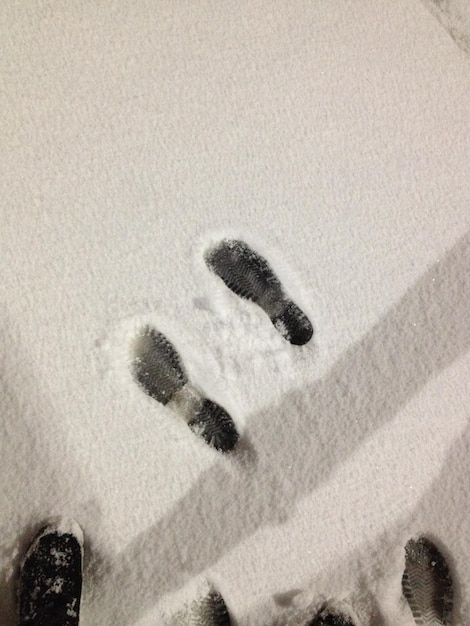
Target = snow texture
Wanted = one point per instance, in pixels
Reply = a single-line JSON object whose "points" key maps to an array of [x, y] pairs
{"points": [[454, 15], [331, 137]]}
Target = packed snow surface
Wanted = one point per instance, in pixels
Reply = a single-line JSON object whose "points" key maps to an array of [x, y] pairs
{"points": [[331, 137]]}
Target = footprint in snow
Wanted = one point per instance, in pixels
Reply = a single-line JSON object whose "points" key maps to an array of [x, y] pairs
{"points": [[335, 614], [250, 276], [212, 611], [427, 583], [158, 369]]}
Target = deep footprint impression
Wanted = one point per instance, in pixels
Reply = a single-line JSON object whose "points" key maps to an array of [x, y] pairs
{"points": [[250, 276], [158, 369], [427, 583]]}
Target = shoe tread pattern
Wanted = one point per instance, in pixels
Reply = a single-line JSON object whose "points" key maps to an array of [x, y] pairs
{"points": [[244, 271], [215, 426], [158, 369], [250, 276], [212, 611], [427, 583], [157, 366]]}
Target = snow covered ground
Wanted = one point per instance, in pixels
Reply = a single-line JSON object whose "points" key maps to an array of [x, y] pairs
{"points": [[333, 137]]}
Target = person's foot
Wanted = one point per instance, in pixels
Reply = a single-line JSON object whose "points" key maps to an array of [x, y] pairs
{"points": [[50, 582]]}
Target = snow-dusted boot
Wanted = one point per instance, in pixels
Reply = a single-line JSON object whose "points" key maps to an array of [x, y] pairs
{"points": [[50, 581], [250, 276]]}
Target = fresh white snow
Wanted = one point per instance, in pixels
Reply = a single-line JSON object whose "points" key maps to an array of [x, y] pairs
{"points": [[332, 137]]}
